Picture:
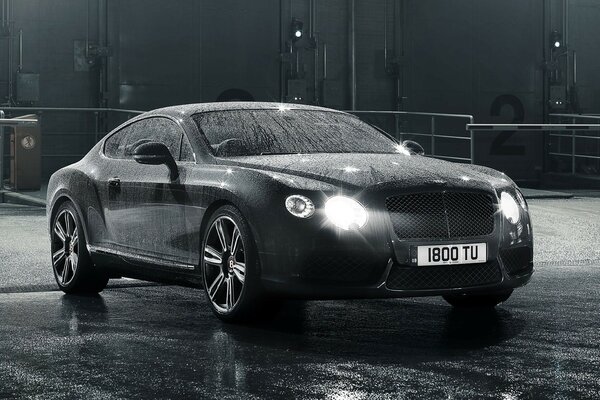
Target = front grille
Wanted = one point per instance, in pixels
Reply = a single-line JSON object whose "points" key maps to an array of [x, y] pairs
{"points": [[338, 268], [441, 215], [404, 277], [517, 261]]}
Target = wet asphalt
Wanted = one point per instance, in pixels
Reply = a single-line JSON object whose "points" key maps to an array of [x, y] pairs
{"points": [[163, 342]]}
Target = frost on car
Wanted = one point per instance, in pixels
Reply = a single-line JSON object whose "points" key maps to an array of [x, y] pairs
{"points": [[255, 201]]}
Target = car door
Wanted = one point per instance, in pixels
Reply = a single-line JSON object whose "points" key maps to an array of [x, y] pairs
{"points": [[145, 213]]}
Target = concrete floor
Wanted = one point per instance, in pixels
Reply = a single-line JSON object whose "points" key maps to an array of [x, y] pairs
{"points": [[162, 341]]}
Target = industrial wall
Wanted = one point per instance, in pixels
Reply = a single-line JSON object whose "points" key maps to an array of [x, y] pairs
{"points": [[482, 57]]}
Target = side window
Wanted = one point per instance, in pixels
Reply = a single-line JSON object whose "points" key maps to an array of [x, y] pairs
{"points": [[123, 143], [187, 154], [113, 147]]}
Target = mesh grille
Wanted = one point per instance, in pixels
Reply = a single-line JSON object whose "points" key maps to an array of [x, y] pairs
{"points": [[517, 261], [441, 215], [341, 268], [443, 277]]}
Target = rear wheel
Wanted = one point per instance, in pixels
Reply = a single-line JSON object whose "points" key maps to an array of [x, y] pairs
{"points": [[230, 267], [73, 268], [477, 300]]}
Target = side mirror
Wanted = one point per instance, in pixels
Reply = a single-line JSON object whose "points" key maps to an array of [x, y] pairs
{"points": [[414, 147], [156, 153]]}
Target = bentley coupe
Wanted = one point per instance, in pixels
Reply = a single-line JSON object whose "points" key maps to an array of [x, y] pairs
{"points": [[256, 202]]}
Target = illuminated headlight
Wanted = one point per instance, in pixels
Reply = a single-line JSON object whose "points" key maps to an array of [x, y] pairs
{"points": [[300, 206], [510, 208], [345, 213]]}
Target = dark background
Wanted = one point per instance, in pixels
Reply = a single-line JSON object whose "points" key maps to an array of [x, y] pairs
{"points": [[491, 59]]}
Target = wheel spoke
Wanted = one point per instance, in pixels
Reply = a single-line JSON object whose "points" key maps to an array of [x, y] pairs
{"points": [[67, 224], [235, 240], [230, 299], [58, 256], [58, 229], [239, 270], [65, 270], [221, 233], [212, 256], [75, 237], [74, 261], [215, 286]]}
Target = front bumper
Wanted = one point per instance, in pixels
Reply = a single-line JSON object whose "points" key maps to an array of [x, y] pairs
{"points": [[314, 260]]}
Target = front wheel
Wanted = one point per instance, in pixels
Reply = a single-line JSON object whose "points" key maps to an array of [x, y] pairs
{"points": [[477, 300], [230, 266], [72, 265]]}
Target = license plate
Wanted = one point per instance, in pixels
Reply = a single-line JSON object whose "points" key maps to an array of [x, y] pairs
{"points": [[468, 253]]}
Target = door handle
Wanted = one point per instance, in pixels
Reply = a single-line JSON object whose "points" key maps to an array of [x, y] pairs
{"points": [[114, 182]]}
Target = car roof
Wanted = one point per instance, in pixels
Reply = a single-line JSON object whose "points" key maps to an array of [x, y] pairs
{"points": [[184, 110]]}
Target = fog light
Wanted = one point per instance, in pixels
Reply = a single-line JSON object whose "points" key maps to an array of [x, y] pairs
{"points": [[510, 208], [345, 213], [300, 206]]}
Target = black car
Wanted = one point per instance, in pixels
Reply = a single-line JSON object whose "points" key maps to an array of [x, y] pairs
{"points": [[255, 201]]}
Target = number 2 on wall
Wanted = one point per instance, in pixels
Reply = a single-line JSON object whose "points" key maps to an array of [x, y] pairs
{"points": [[499, 146]]}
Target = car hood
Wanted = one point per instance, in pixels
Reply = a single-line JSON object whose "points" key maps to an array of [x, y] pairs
{"points": [[359, 171]]}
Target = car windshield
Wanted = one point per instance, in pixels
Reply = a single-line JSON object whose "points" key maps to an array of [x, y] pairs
{"points": [[235, 133]]}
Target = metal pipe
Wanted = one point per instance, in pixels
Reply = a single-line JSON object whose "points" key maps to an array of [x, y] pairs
{"points": [[313, 27], [281, 53], [574, 68], [324, 61], [2, 152], [385, 35], [87, 31], [573, 149], [433, 135], [533, 127], [73, 109], [10, 62], [352, 55], [20, 67]]}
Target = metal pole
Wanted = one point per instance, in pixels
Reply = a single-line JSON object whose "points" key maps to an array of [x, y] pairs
{"points": [[573, 149], [2, 149], [472, 142], [433, 136], [96, 126], [352, 55], [20, 68]]}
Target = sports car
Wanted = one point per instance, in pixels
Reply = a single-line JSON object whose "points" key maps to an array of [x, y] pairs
{"points": [[256, 202]]}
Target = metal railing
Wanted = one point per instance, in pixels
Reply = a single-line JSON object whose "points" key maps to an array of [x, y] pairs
{"points": [[582, 148], [551, 131], [430, 126]]}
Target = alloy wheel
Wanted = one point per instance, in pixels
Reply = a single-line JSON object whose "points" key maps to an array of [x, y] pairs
{"points": [[65, 247], [224, 264]]}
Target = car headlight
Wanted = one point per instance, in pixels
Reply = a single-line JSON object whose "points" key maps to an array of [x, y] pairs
{"points": [[300, 206], [510, 208], [345, 213]]}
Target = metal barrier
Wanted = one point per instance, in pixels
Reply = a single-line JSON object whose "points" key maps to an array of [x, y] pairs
{"points": [[583, 148], [429, 127], [550, 130]]}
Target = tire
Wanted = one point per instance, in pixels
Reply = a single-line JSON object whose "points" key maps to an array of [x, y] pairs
{"points": [[477, 300], [71, 263], [230, 267]]}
